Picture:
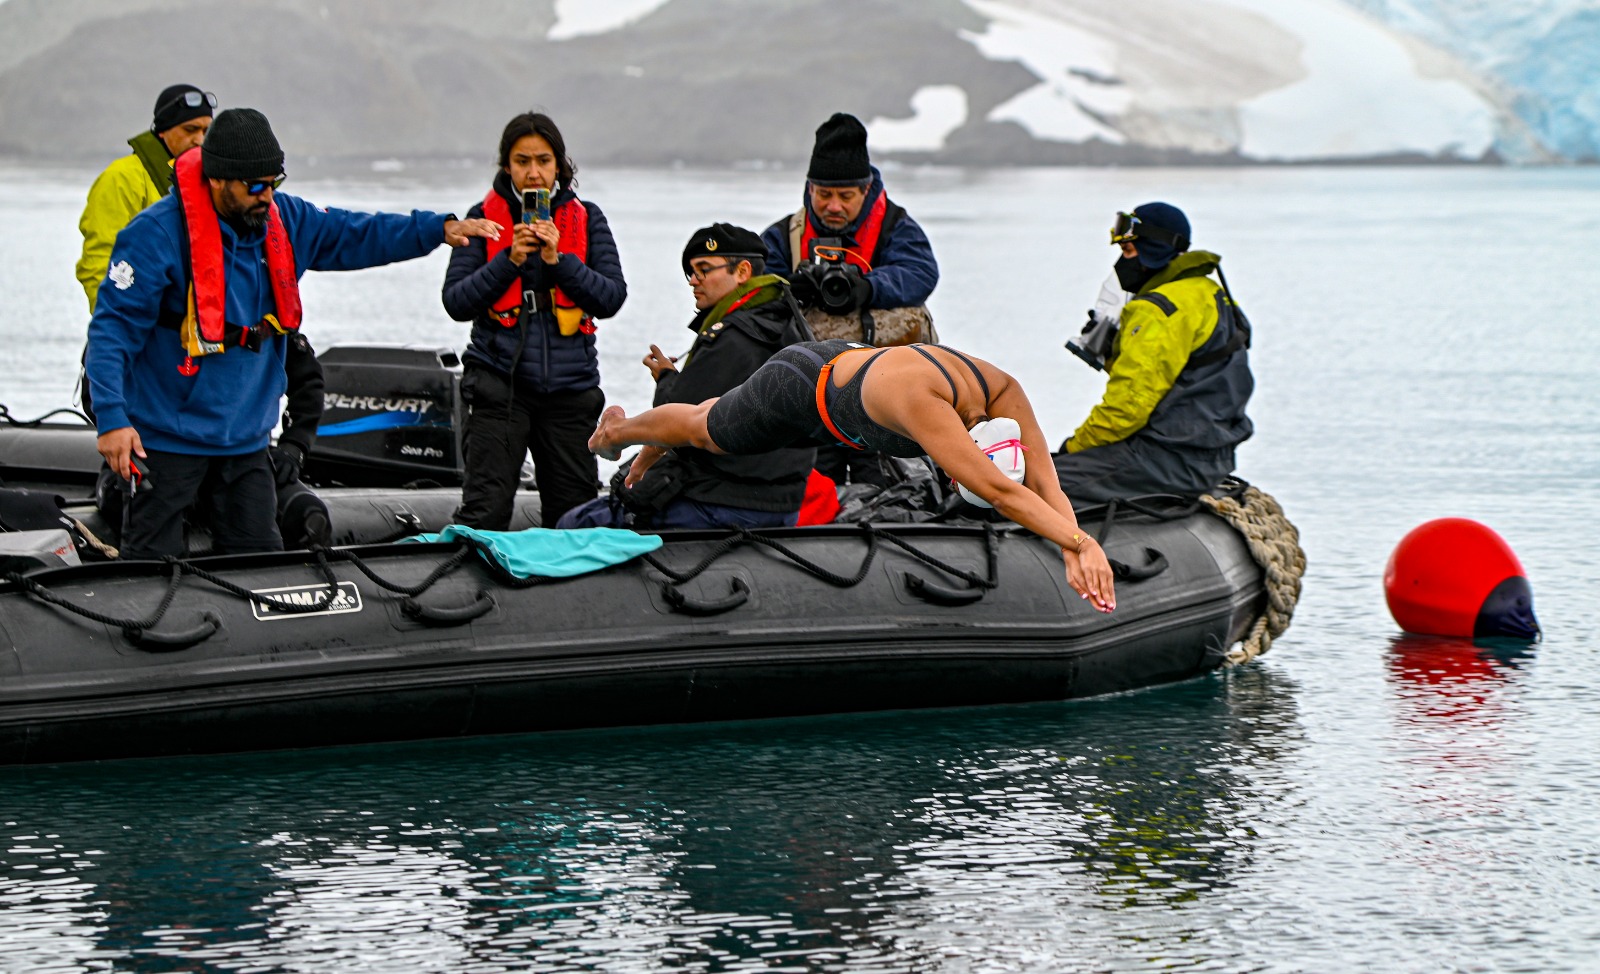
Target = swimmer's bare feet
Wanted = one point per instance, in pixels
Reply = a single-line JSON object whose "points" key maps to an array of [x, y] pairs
{"points": [[600, 443]]}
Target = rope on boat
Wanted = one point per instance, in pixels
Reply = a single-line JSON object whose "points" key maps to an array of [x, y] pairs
{"points": [[176, 569], [1275, 545], [873, 535], [94, 542]]}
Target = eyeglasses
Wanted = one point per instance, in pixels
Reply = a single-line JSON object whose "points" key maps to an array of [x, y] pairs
{"points": [[191, 99], [255, 187], [701, 273]]}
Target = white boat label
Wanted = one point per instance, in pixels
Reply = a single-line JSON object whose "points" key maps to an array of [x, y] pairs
{"points": [[347, 599]]}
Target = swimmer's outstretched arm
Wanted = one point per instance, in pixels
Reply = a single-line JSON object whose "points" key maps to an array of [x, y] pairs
{"points": [[1037, 503]]}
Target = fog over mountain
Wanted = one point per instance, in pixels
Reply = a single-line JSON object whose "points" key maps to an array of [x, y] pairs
{"points": [[720, 82]]}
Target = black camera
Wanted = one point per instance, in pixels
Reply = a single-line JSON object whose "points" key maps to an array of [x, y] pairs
{"points": [[1095, 342], [833, 278]]}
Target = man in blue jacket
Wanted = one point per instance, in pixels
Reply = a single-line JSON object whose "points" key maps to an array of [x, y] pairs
{"points": [[860, 266], [187, 343]]}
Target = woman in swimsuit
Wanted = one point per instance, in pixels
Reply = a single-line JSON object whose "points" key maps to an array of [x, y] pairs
{"points": [[904, 401]]}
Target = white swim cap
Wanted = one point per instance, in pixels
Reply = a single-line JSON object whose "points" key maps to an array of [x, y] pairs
{"points": [[1000, 439]]}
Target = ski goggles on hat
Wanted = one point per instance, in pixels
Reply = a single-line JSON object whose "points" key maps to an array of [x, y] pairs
{"points": [[190, 98], [1129, 228], [1125, 228]]}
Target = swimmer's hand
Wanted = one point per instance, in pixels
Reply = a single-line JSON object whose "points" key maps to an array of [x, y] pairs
{"points": [[648, 455], [1089, 574]]}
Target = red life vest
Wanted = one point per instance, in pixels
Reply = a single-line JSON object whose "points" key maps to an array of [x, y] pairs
{"points": [[205, 327], [866, 235], [572, 219]]}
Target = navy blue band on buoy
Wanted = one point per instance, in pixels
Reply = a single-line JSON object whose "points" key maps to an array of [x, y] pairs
{"points": [[1508, 611]]}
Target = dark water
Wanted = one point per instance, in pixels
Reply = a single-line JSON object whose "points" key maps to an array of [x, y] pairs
{"points": [[1355, 800]]}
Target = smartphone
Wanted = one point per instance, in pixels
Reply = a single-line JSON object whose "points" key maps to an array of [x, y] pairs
{"points": [[535, 205]]}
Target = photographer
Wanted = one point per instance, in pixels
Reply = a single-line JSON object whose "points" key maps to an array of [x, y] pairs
{"points": [[860, 266], [1178, 370]]}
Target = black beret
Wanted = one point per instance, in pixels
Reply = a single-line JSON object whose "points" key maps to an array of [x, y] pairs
{"points": [[723, 240]]}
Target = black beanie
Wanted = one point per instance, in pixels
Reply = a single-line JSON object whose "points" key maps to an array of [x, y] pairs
{"points": [[839, 157], [240, 145], [723, 240], [172, 109]]}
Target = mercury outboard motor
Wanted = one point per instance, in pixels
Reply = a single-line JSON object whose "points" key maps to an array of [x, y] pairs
{"points": [[392, 417]]}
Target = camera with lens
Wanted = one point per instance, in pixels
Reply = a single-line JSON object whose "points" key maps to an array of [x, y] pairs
{"points": [[1094, 343], [833, 279]]}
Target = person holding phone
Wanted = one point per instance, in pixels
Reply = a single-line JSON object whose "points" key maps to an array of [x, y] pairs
{"points": [[532, 375]]}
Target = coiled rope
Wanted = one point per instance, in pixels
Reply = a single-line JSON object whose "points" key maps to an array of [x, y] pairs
{"points": [[1275, 545]]}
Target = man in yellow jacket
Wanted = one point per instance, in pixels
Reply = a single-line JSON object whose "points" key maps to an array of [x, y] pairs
{"points": [[181, 117], [1178, 372]]}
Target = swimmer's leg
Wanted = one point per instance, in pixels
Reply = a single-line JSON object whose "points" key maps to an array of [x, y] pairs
{"points": [[674, 424]]}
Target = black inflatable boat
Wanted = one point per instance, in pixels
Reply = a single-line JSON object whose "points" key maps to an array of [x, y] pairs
{"points": [[752, 634], [387, 641]]}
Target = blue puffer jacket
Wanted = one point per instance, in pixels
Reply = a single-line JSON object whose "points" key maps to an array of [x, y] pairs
{"points": [[549, 361], [904, 271]]}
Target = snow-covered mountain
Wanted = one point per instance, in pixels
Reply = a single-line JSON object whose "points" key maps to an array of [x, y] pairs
{"points": [[722, 81]]}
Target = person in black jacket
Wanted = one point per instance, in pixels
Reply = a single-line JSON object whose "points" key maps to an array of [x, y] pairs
{"points": [[744, 315], [532, 378]]}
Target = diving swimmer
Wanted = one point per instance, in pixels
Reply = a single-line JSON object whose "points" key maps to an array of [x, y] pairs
{"points": [[905, 401]]}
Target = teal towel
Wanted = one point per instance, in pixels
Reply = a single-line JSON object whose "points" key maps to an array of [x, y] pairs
{"points": [[550, 553]]}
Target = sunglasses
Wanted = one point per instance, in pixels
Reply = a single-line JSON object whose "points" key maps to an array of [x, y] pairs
{"points": [[192, 99], [255, 187]]}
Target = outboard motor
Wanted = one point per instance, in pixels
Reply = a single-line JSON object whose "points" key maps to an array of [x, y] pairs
{"points": [[392, 417]]}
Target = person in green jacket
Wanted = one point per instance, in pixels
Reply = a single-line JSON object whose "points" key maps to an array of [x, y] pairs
{"points": [[181, 117], [1178, 372]]}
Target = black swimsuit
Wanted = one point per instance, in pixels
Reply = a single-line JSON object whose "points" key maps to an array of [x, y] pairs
{"points": [[777, 406]]}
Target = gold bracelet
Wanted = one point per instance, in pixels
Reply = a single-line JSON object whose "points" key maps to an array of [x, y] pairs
{"points": [[1080, 540]]}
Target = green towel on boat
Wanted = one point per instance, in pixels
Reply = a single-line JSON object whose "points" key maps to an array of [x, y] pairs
{"points": [[549, 553]]}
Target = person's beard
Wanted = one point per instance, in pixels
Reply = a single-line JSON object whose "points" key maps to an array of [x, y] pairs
{"points": [[251, 215], [254, 217]]}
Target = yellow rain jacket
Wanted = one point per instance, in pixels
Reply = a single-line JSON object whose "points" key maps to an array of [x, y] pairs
{"points": [[1173, 316], [119, 194]]}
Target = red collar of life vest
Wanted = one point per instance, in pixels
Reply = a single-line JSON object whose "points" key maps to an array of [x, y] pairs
{"points": [[205, 327], [571, 218], [866, 235]]}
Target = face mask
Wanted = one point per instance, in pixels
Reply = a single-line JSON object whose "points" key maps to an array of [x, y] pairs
{"points": [[1132, 275]]}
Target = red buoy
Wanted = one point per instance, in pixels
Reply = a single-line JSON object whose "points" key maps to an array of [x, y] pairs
{"points": [[1456, 577]]}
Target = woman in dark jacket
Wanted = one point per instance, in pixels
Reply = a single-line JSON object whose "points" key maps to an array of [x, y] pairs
{"points": [[532, 379]]}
